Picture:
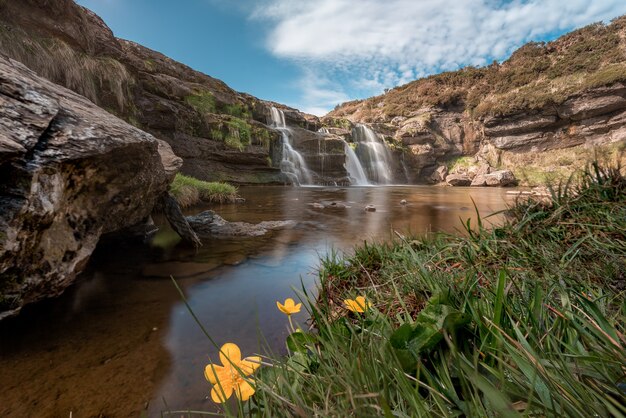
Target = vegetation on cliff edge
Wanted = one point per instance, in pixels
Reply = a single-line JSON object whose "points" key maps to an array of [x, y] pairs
{"points": [[535, 76]]}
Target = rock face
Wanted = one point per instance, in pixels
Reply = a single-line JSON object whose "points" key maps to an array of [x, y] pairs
{"points": [[544, 110], [323, 154], [69, 172], [220, 134]]}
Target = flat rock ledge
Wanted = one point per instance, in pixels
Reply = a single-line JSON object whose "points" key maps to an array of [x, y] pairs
{"points": [[208, 224]]}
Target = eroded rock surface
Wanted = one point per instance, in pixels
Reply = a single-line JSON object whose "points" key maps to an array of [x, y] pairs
{"points": [[209, 224], [69, 172]]}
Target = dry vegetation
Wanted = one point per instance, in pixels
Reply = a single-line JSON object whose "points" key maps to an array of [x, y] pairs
{"points": [[536, 75], [57, 61]]}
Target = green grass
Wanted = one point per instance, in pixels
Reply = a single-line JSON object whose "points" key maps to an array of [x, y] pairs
{"points": [[203, 101], [237, 110], [189, 191], [239, 134], [523, 319], [460, 163]]}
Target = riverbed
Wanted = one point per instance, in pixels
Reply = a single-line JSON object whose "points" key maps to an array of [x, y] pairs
{"points": [[121, 341]]}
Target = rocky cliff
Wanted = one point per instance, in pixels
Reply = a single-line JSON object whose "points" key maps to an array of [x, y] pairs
{"points": [[542, 113], [220, 134], [69, 172]]}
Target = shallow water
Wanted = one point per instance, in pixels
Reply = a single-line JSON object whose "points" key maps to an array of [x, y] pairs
{"points": [[121, 341]]}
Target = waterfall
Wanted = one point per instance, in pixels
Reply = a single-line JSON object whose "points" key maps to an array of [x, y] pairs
{"points": [[292, 163], [354, 167], [373, 154]]}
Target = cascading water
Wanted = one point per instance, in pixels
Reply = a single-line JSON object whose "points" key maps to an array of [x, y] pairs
{"points": [[373, 154], [292, 163], [353, 165]]}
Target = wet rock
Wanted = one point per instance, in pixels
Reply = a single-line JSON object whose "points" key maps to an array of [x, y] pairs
{"points": [[209, 224], [336, 205], [370, 208], [403, 202], [69, 172], [458, 180], [316, 205]]}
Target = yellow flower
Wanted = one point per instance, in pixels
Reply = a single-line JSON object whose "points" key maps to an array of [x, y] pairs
{"points": [[289, 307], [359, 304], [229, 378]]}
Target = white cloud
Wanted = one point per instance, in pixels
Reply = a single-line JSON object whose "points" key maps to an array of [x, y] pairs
{"points": [[372, 44]]}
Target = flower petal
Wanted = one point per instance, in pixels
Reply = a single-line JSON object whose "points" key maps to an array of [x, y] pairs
{"points": [[296, 308], [250, 364], [353, 305], [221, 394], [360, 300], [230, 354], [244, 390], [282, 308], [289, 303], [215, 373]]}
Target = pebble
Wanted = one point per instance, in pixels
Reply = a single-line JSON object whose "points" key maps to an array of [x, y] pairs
{"points": [[370, 208]]}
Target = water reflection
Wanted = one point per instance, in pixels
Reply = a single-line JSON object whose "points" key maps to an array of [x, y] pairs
{"points": [[122, 340]]}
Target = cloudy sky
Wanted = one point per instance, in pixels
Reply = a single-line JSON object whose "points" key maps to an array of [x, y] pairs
{"points": [[313, 55]]}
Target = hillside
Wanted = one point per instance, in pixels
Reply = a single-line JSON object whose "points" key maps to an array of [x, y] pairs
{"points": [[546, 97], [221, 134]]}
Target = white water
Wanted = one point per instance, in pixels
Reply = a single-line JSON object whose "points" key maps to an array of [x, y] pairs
{"points": [[373, 154], [354, 167], [292, 163]]}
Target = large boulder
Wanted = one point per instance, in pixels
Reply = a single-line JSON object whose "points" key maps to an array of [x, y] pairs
{"points": [[439, 174], [458, 180], [500, 178], [69, 172]]}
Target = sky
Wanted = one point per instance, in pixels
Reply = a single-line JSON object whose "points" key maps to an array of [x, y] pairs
{"points": [[316, 54]]}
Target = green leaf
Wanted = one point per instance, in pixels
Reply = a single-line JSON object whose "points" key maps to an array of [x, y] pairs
{"points": [[298, 341]]}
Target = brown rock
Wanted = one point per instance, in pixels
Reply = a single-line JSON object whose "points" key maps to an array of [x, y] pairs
{"points": [[501, 178], [458, 180], [440, 174]]}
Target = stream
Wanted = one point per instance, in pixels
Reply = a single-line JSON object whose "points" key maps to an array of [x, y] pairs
{"points": [[120, 342]]}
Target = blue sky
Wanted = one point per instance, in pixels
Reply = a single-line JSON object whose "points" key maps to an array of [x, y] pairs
{"points": [[313, 55]]}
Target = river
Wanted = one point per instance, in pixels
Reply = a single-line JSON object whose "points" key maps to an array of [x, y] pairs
{"points": [[120, 342]]}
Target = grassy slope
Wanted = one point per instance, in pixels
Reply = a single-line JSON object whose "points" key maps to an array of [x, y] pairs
{"points": [[535, 76], [524, 319]]}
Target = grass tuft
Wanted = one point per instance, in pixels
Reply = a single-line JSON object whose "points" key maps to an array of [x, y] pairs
{"points": [[189, 191], [523, 319]]}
